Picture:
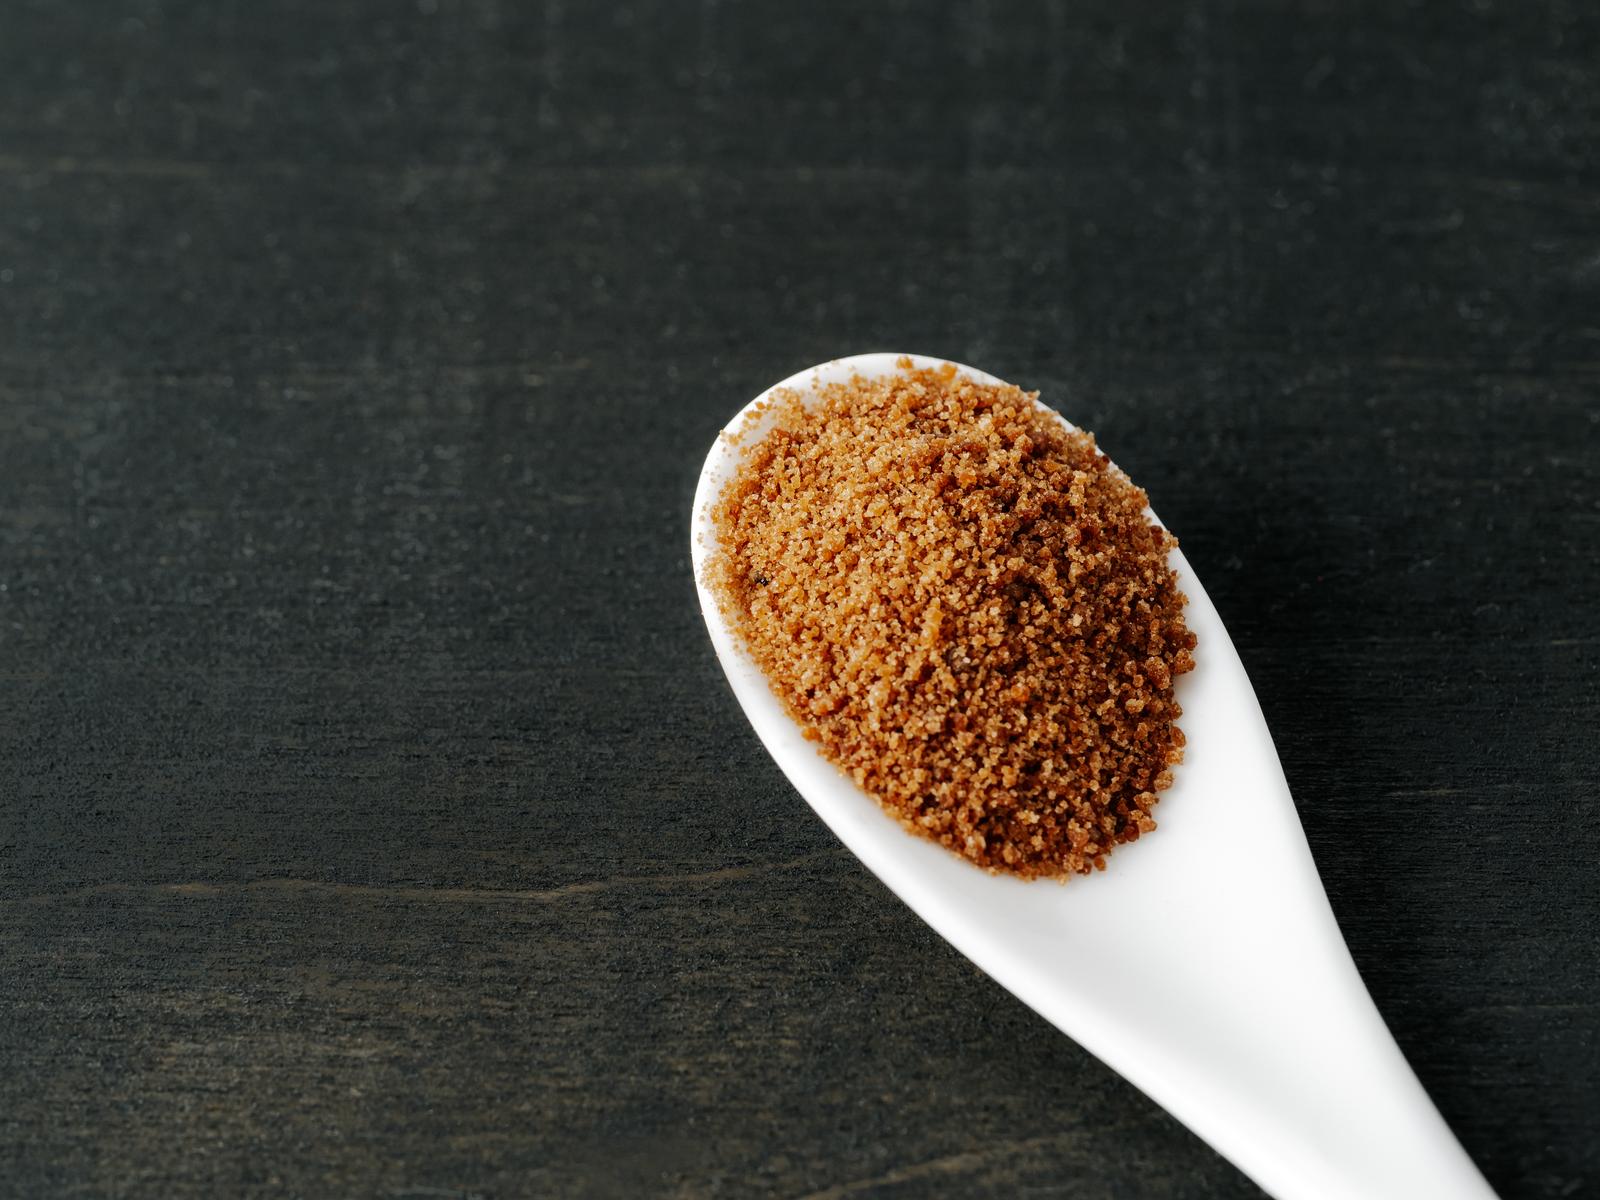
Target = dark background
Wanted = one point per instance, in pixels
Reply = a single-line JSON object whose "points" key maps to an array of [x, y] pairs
{"points": [[375, 818]]}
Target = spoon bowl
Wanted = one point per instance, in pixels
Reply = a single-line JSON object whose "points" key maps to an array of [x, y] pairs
{"points": [[1204, 964]]}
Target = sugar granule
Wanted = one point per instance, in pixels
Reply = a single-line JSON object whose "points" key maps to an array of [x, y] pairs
{"points": [[965, 605]]}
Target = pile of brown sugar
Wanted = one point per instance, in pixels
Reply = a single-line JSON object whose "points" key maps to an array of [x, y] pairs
{"points": [[966, 606]]}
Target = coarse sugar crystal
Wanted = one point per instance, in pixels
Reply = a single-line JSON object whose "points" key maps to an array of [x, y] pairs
{"points": [[967, 607]]}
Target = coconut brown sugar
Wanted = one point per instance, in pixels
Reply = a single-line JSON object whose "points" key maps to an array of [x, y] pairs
{"points": [[966, 606]]}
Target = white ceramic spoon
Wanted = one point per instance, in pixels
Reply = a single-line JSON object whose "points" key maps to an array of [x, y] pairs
{"points": [[1204, 964]]}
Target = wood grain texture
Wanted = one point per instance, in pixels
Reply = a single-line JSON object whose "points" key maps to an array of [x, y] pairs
{"points": [[373, 817]]}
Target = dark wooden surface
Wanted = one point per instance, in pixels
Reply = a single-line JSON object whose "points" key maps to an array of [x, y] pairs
{"points": [[374, 819]]}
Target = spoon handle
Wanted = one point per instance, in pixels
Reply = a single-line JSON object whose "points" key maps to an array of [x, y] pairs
{"points": [[1289, 1071], [1242, 1013]]}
